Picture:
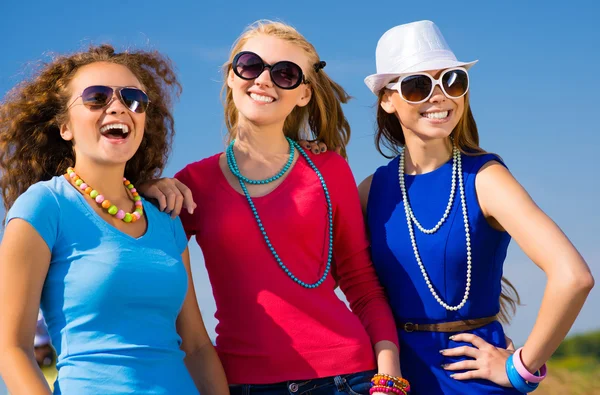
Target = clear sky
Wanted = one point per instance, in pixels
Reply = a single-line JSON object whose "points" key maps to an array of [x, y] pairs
{"points": [[534, 91]]}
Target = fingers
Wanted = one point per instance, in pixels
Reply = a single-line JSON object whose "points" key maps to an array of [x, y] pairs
{"points": [[311, 145], [188, 199], [471, 338], [314, 146], [470, 375], [468, 364], [172, 194], [166, 194], [152, 190], [488, 361], [155, 192], [178, 204], [304, 144], [461, 352]]}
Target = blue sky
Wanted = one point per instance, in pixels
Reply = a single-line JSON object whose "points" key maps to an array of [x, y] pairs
{"points": [[533, 92]]}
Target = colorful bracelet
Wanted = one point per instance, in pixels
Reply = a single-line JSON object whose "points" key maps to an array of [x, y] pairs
{"points": [[518, 382], [523, 372], [393, 384], [380, 388]]}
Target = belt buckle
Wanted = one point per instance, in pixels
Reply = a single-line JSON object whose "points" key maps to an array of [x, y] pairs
{"points": [[409, 327]]}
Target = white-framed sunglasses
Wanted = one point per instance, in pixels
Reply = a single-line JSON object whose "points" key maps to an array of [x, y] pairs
{"points": [[417, 88]]}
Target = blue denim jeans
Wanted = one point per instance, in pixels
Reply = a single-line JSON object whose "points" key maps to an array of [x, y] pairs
{"points": [[346, 384]]}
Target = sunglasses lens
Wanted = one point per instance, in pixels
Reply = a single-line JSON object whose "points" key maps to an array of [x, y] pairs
{"points": [[96, 97], [286, 75], [456, 83], [135, 99], [248, 65], [415, 88]]}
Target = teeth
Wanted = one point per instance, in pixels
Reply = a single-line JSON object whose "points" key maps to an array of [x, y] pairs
{"points": [[124, 128], [436, 115], [264, 99]]}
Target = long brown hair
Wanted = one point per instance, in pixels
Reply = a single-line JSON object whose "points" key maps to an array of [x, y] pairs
{"points": [[390, 137], [31, 148], [322, 118]]}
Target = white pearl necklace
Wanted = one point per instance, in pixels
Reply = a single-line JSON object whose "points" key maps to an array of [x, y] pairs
{"points": [[410, 218]]}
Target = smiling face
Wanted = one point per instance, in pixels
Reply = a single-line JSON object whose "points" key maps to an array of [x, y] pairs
{"points": [[107, 136], [433, 119], [259, 101]]}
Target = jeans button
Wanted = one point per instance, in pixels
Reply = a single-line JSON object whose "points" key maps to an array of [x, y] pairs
{"points": [[293, 387]]}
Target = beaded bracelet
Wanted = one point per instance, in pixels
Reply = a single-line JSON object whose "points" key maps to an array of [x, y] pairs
{"points": [[518, 382], [384, 389], [523, 372], [391, 382]]}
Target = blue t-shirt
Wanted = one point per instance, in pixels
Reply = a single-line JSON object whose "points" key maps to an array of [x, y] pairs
{"points": [[110, 300]]}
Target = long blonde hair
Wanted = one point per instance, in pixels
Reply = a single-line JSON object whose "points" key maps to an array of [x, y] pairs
{"points": [[466, 137], [322, 118]]}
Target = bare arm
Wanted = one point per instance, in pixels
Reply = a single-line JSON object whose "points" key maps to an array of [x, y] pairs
{"points": [[505, 201], [24, 263], [363, 190], [388, 358], [201, 358]]}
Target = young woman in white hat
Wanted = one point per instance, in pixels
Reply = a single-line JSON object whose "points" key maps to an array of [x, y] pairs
{"points": [[441, 215]]}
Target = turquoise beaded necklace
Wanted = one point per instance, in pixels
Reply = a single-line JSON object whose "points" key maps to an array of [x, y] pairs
{"points": [[236, 171], [233, 167]]}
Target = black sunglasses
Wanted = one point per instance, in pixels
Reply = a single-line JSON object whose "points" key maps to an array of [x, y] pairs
{"points": [[284, 74], [97, 97]]}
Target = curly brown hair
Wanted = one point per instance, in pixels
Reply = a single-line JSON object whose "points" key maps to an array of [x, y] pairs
{"points": [[31, 148]]}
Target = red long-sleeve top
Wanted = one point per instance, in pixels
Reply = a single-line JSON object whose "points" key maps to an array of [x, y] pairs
{"points": [[271, 329]]}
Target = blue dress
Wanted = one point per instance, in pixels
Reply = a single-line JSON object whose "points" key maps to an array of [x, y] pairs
{"points": [[111, 301], [444, 257]]}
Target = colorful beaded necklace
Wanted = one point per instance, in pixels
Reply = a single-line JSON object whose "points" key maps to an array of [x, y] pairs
{"points": [[105, 203], [233, 167]]}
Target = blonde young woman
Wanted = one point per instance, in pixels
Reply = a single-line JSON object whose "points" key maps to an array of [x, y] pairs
{"points": [[280, 228]]}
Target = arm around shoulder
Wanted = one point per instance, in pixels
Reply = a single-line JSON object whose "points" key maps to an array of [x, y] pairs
{"points": [[172, 194]]}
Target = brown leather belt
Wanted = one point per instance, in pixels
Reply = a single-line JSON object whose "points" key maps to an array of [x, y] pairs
{"points": [[454, 326]]}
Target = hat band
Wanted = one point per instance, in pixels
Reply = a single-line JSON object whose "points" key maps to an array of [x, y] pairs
{"points": [[403, 64]]}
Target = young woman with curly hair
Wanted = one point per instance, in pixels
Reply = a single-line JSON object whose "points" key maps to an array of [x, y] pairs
{"points": [[103, 275]]}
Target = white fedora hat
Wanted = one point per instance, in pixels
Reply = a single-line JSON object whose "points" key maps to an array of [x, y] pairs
{"points": [[410, 48]]}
